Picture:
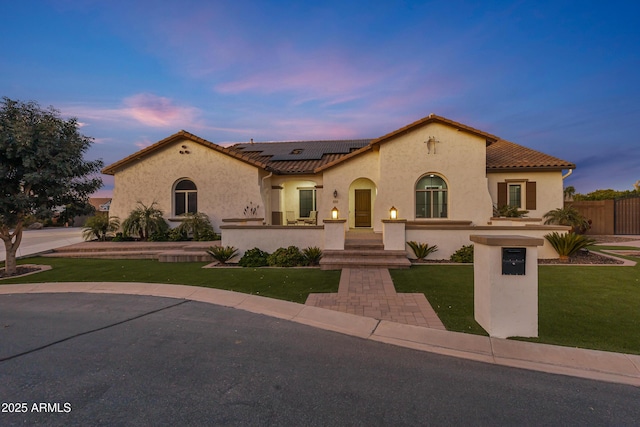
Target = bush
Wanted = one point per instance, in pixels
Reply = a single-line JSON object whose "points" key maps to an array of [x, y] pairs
{"points": [[568, 216], [254, 258], [464, 254], [120, 237], [422, 250], [568, 244], [197, 226], [312, 255], [100, 227], [508, 212], [222, 254], [286, 257], [144, 221]]}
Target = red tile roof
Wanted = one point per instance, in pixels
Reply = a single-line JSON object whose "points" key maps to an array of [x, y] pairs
{"points": [[508, 156], [307, 157]]}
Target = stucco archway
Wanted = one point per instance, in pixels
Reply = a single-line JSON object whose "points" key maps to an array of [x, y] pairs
{"points": [[362, 197]]}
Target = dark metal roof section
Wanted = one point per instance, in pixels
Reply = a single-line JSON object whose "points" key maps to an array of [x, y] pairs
{"points": [[300, 150]]}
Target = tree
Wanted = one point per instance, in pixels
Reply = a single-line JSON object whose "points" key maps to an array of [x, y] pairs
{"points": [[569, 192], [41, 167]]}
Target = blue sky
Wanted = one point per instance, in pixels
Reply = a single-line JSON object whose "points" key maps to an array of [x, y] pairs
{"points": [[558, 76]]}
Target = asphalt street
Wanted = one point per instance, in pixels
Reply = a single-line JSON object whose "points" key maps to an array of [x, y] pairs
{"points": [[102, 359]]}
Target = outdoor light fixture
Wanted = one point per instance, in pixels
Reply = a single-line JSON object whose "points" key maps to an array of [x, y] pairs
{"points": [[334, 213], [335, 194], [393, 213]]}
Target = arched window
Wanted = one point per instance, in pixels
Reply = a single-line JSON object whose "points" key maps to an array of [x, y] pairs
{"points": [[185, 197], [431, 197]]}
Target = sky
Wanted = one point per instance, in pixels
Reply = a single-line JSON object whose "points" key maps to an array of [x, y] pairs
{"points": [[561, 77]]}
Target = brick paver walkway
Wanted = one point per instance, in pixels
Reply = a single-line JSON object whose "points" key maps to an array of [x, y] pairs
{"points": [[370, 292]]}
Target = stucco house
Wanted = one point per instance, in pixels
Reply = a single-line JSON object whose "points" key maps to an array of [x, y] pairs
{"points": [[444, 179]]}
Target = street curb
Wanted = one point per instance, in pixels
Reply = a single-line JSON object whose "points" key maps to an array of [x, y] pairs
{"points": [[590, 364]]}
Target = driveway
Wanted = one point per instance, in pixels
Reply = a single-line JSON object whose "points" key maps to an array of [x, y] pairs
{"points": [[101, 359], [37, 241]]}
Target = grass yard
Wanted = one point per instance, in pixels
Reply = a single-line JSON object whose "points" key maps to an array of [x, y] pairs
{"points": [[587, 307], [291, 284]]}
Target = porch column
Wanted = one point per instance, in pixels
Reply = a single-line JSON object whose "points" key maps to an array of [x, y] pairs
{"points": [[393, 234], [334, 234]]}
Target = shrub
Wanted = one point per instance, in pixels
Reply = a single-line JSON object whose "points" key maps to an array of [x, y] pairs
{"points": [[254, 258], [568, 216], [508, 211], [422, 250], [100, 227], [568, 244], [286, 257], [120, 237], [464, 254], [197, 226], [222, 254], [144, 221], [312, 255]]}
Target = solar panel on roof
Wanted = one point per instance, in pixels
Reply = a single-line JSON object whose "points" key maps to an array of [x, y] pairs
{"points": [[302, 150]]}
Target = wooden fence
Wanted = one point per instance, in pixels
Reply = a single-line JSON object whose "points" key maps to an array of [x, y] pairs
{"points": [[627, 216], [620, 216]]}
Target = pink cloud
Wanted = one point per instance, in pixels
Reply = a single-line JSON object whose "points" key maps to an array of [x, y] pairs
{"points": [[312, 76], [157, 111]]}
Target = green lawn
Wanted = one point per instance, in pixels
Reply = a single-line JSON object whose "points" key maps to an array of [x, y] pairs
{"points": [[291, 284], [587, 307]]}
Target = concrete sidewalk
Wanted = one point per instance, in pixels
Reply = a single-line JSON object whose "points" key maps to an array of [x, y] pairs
{"points": [[590, 364]]}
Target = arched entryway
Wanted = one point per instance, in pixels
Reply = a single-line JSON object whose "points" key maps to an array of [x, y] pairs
{"points": [[362, 197]]}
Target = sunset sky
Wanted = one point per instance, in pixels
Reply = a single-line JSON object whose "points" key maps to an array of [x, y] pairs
{"points": [[562, 77]]}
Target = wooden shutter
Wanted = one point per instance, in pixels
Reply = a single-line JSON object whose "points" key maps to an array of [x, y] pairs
{"points": [[502, 194], [531, 196]]}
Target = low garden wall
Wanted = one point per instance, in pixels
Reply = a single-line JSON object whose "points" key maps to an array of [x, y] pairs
{"points": [[271, 237], [451, 238]]}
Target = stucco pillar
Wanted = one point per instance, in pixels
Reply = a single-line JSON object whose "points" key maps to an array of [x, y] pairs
{"points": [[334, 233], [393, 234], [505, 284]]}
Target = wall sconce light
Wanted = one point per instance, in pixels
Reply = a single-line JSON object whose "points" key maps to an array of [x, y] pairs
{"points": [[393, 213], [334, 213], [335, 194]]}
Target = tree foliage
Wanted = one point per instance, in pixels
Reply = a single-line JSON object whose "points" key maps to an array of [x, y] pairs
{"points": [[607, 194], [41, 167]]}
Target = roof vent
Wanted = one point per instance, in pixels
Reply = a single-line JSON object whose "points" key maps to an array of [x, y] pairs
{"points": [[296, 151]]}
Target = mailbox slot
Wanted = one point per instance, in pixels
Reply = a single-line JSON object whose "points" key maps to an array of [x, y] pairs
{"points": [[513, 261]]}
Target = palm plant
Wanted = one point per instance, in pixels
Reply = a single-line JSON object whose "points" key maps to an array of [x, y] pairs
{"points": [[100, 227], [568, 244], [421, 250], [144, 221], [222, 254], [568, 216], [198, 226], [312, 255]]}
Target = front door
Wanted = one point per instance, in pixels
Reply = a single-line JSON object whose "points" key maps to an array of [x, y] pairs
{"points": [[363, 208]]}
